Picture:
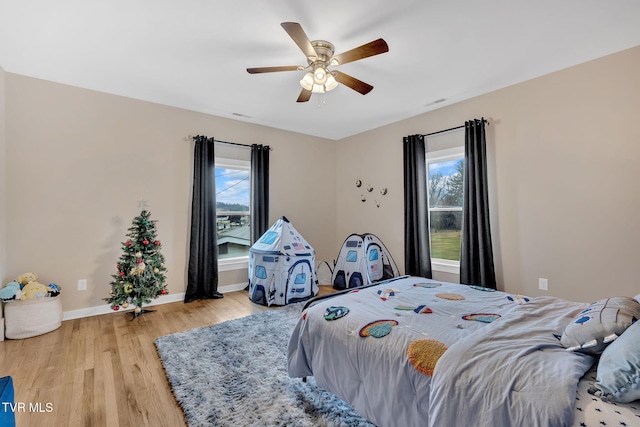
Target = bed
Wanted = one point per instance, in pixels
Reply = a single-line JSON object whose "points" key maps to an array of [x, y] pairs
{"points": [[413, 351]]}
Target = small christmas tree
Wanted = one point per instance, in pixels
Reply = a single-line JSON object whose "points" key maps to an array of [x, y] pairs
{"points": [[141, 271]]}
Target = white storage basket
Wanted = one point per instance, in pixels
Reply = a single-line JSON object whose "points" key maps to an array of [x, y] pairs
{"points": [[28, 318]]}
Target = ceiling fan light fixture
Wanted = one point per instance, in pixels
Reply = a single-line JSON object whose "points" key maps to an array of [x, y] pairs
{"points": [[319, 81], [318, 88], [320, 75], [307, 81], [331, 83]]}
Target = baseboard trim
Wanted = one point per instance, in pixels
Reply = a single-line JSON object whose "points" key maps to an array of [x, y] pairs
{"points": [[162, 299]]}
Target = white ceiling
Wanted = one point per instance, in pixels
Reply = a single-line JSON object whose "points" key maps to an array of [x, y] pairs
{"points": [[193, 54]]}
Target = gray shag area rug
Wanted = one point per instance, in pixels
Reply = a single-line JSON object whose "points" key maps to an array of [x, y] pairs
{"points": [[235, 374]]}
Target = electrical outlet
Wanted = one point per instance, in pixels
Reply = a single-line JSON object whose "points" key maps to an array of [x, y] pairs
{"points": [[82, 284], [543, 284]]}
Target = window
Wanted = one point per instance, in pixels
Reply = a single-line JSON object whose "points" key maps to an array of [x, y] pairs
{"points": [[269, 237], [261, 272], [445, 169], [233, 220]]}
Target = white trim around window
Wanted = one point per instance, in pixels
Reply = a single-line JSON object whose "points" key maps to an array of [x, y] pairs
{"points": [[222, 162], [445, 265], [229, 264], [443, 155]]}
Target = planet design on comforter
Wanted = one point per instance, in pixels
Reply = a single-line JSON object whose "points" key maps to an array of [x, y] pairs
{"points": [[427, 285], [334, 313], [450, 296], [424, 354], [482, 317], [378, 329]]}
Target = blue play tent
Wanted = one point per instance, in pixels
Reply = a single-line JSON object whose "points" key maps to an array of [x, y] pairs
{"points": [[281, 267]]}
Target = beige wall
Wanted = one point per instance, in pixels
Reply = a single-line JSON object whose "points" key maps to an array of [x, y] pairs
{"points": [[563, 150], [564, 157], [80, 160], [3, 179]]}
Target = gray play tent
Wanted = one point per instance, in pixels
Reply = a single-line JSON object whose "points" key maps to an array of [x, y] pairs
{"points": [[363, 259], [281, 266]]}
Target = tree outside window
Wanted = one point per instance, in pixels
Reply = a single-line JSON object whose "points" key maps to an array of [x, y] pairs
{"points": [[445, 186]]}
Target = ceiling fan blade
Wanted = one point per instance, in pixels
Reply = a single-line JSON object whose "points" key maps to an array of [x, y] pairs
{"points": [[304, 96], [375, 47], [272, 69], [352, 82], [298, 35]]}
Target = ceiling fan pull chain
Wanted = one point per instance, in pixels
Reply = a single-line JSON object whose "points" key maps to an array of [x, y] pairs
{"points": [[321, 101]]}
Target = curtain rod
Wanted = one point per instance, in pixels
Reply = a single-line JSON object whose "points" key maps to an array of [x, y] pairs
{"points": [[454, 128], [190, 137]]}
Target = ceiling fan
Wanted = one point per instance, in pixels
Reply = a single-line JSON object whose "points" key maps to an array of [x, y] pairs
{"points": [[320, 57]]}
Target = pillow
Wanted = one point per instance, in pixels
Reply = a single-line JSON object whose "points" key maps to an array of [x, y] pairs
{"points": [[618, 378], [599, 324]]}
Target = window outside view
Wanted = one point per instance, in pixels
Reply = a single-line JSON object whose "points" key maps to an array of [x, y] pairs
{"points": [[233, 220], [445, 207]]}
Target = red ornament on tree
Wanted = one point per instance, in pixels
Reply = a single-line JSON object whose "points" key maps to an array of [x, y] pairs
{"points": [[117, 266], [128, 243], [116, 308], [163, 292], [157, 243], [145, 242], [121, 273], [139, 261]]}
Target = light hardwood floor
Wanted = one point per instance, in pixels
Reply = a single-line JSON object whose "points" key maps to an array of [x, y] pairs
{"points": [[105, 370]]}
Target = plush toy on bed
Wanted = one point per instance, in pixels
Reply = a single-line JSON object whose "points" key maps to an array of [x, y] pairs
{"points": [[599, 324]]}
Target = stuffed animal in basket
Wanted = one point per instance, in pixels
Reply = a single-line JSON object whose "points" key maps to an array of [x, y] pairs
{"points": [[54, 290], [25, 278], [30, 287], [34, 290], [10, 291]]}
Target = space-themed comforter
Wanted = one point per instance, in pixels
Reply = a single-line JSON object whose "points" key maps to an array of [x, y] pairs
{"points": [[377, 348], [514, 373]]}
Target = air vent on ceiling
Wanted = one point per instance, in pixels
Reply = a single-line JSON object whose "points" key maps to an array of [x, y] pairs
{"points": [[437, 101]]}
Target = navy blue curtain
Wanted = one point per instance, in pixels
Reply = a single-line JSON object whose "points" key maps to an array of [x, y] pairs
{"points": [[259, 191], [417, 251], [202, 280], [476, 257]]}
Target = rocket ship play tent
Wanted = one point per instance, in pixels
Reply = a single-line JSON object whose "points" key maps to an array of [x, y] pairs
{"points": [[281, 266], [363, 259]]}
